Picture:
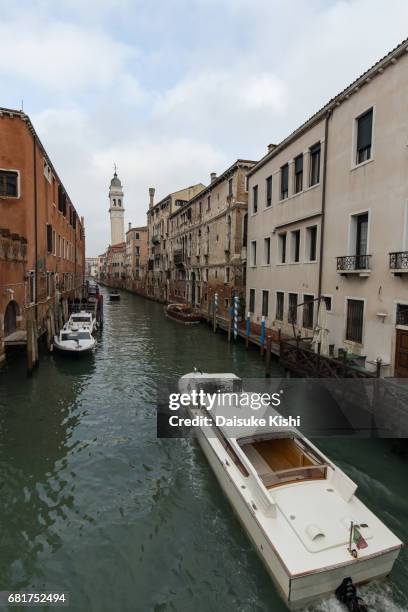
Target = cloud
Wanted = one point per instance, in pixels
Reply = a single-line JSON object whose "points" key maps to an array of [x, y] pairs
{"points": [[171, 91], [61, 56]]}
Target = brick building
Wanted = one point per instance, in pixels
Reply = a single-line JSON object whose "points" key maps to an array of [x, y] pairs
{"points": [[42, 242], [136, 259]]}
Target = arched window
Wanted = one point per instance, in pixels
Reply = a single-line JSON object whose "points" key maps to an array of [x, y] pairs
{"points": [[119, 202], [114, 201]]}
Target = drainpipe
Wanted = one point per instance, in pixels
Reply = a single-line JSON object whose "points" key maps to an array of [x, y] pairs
{"points": [[35, 230], [322, 224]]}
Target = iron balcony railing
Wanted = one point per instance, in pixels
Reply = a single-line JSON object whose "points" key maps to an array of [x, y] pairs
{"points": [[349, 263], [399, 260]]}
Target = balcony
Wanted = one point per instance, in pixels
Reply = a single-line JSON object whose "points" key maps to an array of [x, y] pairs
{"points": [[358, 265], [156, 239], [178, 257], [399, 262]]}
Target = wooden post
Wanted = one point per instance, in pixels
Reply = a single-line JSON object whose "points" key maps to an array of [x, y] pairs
{"points": [[268, 356], [32, 345], [215, 312]]}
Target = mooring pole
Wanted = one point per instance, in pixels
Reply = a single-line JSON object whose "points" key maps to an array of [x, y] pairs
{"points": [[236, 307], [247, 329], [215, 312], [268, 356], [230, 310], [262, 337]]}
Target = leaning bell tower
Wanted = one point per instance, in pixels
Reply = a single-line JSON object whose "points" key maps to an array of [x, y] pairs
{"points": [[116, 210]]}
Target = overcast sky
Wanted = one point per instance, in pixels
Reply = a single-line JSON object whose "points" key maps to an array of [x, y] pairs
{"points": [[172, 90]]}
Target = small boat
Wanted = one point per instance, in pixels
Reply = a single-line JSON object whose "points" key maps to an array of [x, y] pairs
{"points": [[74, 342], [82, 319], [114, 296], [182, 313], [300, 510]]}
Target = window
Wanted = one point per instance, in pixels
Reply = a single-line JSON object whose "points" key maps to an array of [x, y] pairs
{"points": [[315, 164], [253, 252], [292, 311], [267, 251], [364, 137], [265, 301], [31, 287], [295, 245], [361, 233], [230, 187], [328, 302], [282, 247], [245, 231], [227, 274], [280, 300], [284, 181], [252, 300], [311, 243], [54, 242], [137, 236], [49, 238], [209, 203], [49, 279], [308, 308], [299, 173], [8, 184], [255, 199], [268, 191], [354, 325]]}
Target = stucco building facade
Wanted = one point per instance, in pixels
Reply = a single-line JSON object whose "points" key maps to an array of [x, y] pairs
{"points": [[328, 217]]}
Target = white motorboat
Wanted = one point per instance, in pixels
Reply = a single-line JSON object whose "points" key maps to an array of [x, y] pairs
{"points": [[75, 342], [299, 509], [82, 319]]}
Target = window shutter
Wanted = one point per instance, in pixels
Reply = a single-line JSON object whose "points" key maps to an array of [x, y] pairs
{"points": [[364, 131], [49, 238]]}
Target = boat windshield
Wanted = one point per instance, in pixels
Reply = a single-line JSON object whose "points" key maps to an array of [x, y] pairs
{"points": [[84, 335], [81, 319], [280, 461], [67, 336]]}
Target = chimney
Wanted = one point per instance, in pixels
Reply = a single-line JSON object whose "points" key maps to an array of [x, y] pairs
{"points": [[130, 226], [151, 196], [271, 147], [213, 176]]}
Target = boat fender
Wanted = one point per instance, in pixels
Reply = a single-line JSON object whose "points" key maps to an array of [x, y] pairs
{"points": [[346, 593]]}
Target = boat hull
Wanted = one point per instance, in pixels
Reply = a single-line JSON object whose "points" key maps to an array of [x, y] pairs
{"points": [[296, 590], [79, 352]]}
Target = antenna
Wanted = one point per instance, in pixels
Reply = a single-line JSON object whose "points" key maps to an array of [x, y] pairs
{"points": [[115, 168], [22, 105]]}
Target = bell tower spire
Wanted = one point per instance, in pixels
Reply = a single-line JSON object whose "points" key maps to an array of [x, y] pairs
{"points": [[116, 210]]}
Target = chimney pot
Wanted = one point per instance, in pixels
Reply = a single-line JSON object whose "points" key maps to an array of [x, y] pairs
{"points": [[130, 225], [271, 147], [213, 176]]}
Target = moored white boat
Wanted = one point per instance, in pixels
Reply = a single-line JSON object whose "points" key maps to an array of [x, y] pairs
{"points": [[82, 319], [114, 296], [299, 509], [75, 342]]}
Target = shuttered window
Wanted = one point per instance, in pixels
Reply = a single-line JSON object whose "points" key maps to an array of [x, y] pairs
{"points": [[298, 173], [49, 238], [355, 318], [280, 297], [292, 312], [268, 191], [308, 308], [284, 181], [255, 199], [315, 164], [265, 303], [252, 300], [364, 136]]}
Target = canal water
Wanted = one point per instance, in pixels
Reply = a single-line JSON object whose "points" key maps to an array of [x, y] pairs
{"points": [[92, 503]]}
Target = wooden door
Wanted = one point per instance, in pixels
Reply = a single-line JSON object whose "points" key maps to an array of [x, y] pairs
{"points": [[401, 356]]}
